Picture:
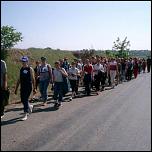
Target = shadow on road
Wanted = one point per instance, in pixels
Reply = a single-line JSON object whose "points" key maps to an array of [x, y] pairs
{"points": [[48, 109], [14, 109], [12, 121]]}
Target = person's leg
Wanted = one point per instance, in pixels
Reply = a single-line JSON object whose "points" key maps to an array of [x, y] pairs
{"points": [[60, 92], [77, 85], [87, 83], [103, 80], [148, 68], [135, 73], [25, 94], [109, 79], [41, 88], [24, 100], [45, 94], [112, 76], [73, 86], [56, 91], [96, 82], [2, 103]]}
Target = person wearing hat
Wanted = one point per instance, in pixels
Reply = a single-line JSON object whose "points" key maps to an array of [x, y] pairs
{"points": [[45, 77], [65, 64], [25, 80]]}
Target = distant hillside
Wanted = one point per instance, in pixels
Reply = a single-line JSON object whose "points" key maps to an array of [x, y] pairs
{"points": [[140, 53], [132, 53]]}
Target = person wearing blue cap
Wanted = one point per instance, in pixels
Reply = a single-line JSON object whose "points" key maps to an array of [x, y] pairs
{"points": [[26, 79]]}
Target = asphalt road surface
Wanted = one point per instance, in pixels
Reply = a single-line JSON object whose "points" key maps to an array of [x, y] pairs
{"points": [[116, 120]]}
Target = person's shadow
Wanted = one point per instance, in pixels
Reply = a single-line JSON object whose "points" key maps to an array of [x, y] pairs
{"points": [[11, 121]]}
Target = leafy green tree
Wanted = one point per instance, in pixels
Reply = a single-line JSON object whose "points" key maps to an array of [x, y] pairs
{"points": [[109, 53], [122, 47], [9, 38]]}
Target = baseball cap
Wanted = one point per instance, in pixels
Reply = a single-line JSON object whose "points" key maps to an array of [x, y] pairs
{"points": [[43, 58], [24, 59]]}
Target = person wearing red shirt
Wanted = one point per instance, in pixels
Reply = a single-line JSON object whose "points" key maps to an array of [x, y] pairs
{"points": [[88, 70]]}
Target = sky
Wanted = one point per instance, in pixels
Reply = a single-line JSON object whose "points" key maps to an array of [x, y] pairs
{"points": [[76, 25]]}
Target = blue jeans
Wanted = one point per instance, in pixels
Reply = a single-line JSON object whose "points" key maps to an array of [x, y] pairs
{"points": [[43, 85], [123, 75], [58, 91]]}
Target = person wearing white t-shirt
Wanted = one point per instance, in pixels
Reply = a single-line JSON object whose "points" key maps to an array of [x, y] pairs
{"points": [[73, 73], [97, 70]]}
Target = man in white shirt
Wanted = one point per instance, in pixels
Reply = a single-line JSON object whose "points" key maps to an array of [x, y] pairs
{"points": [[73, 73], [97, 70]]}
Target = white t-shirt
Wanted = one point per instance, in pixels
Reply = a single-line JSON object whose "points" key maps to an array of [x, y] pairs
{"points": [[58, 75], [44, 72], [74, 71], [98, 67], [79, 66]]}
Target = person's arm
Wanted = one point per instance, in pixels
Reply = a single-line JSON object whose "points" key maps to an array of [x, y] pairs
{"points": [[64, 73], [50, 73], [78, 72], [53, 77], [5, 81], [33, 79]]}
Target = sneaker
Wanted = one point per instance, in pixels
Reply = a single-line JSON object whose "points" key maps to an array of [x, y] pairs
{"points": [[113, 87], [25, 117], [30, 108], [56, 103], [97, 93], [2, 116], [59, 104], [70, 99]]}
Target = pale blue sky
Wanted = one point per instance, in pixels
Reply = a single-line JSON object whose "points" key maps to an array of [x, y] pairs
{"points": [[78, 25]]}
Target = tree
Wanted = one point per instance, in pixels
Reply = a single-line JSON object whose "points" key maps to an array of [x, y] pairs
{"points": [[109, 53], [122, 47], [84, 54], [9, 38]]}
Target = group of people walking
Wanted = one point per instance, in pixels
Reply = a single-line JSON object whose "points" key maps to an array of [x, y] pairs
{"points": [[93, 74]]}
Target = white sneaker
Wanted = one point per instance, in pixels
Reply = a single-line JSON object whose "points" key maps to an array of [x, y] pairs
{"points": [[25, 117], [30, 108], [2, 116], [70, 99]]}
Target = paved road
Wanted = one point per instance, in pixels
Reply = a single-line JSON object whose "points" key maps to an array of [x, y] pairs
{"points": [[117, 119]]}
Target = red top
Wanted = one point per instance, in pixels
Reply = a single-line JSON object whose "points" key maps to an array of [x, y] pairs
{"points": [[113, 66], [88, 69]]}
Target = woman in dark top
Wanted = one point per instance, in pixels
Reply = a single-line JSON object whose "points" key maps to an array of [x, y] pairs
{"points": [[135, 68], [26, 79]]}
